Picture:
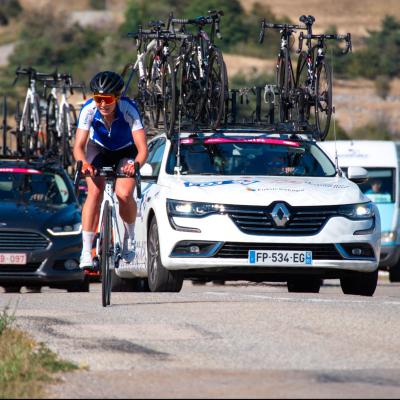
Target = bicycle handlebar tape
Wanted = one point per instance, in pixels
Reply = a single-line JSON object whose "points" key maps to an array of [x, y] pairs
{"points": [[138, 180]]}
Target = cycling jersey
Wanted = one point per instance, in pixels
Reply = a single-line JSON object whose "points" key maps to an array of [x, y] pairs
{"points": [[127, 120]]}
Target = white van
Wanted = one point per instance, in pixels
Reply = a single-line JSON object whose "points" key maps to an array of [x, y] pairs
{"points": [[380, 159]]}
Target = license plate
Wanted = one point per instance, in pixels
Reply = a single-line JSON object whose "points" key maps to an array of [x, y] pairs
{"points": [[278, 257], [13, 258]]}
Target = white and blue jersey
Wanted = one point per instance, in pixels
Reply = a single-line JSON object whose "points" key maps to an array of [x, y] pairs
{"points": [[127, 120]]}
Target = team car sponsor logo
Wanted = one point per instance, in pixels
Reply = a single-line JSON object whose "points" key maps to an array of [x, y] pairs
{"points": [[220, 183]]}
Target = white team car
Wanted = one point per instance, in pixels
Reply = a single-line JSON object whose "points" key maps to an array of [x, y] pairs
{"points": [[251, 205]]}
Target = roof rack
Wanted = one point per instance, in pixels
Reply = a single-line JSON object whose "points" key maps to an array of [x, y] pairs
{"points": [[253, 108], [33, 160]]}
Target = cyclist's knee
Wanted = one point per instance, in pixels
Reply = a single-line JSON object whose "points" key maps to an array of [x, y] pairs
{"points": [[124, 196]]}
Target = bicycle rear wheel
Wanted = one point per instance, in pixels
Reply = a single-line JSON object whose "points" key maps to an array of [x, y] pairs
{"points": [[302, 85], [168, 87], [323, 99], [217, 88], [105, 255], [285, 89]]}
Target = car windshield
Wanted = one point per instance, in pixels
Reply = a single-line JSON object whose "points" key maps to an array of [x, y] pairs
{"points": [[250, 156], [380, 185], [31, 185]]}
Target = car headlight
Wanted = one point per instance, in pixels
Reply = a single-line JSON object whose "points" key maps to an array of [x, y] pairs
{"points": [[388, 237], [357, 211], [179, 208], [66, 230]]}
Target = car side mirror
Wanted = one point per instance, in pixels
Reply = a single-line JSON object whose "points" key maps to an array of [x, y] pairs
{"points": [[146, 171], [357, 174]]}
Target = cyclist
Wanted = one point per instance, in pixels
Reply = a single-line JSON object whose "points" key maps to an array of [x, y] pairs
{"points": [[109, 133]]}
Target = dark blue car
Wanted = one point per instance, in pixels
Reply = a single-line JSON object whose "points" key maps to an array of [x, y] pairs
{"points": [[40, 228]]}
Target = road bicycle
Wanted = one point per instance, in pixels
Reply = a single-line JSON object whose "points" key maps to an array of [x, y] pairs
{"points": [[110, 240], [61, 119], [30, 137], [285, 79], [201, 71], [155, 72], [314, 76]]}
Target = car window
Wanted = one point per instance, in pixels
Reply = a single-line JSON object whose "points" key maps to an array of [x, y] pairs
{"points": [[251, 156], [156, 151], [30, 185]]}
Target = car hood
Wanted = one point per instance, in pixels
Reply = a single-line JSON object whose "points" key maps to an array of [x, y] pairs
{"points": [[296, 191], [37, 216]]}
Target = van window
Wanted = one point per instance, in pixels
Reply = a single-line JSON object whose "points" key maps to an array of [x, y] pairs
{"points": [[380, 187]]}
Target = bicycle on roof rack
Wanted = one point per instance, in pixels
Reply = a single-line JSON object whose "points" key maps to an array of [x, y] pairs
{"points": [[61, 119], [202, 80], [314, 76]]}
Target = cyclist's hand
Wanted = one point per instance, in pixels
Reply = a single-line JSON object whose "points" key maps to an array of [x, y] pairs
{"points": [[129, 168], [88, 169]]}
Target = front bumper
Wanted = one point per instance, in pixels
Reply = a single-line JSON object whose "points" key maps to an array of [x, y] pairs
{"points": [[337, 231], [47, 266]]}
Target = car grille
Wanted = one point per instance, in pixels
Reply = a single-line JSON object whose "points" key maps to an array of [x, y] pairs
{"points": [[22, 241], [303, 221], [32, 267], [320, 251]]}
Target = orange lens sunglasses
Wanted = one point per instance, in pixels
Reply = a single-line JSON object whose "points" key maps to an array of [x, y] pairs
{"points": [[107, 98]]}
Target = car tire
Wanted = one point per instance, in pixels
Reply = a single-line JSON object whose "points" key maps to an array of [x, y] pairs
{"points": [[81, 286], [119, 284], [12, 288], [361, 283], [304, 284], [394, 274], [160, 279]]}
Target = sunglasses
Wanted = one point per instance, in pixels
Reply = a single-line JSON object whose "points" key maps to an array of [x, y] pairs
{"points": [[107, 98]]}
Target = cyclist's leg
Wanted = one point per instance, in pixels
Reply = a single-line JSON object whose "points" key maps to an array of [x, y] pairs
{"points": [[91, 208]]}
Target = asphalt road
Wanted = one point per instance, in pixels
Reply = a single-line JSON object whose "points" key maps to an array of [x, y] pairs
{"points": [[234, 341]]}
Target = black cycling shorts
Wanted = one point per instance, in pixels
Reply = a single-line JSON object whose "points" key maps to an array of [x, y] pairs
{"points": [[99, 156]]}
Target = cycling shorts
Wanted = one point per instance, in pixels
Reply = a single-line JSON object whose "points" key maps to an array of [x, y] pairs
{"points": [[99, 156]]}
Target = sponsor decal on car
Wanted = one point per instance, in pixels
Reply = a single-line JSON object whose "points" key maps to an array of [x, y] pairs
{"points": [[220, 183]]}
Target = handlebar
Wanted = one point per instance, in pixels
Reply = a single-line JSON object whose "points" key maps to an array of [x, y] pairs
{"points": [[166, 35], [284, 27], [323, 37], [108, 172]]}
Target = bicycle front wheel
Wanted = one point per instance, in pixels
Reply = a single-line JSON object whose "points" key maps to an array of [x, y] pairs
{"points": [[168, 87], [217, 88], [323, 99], [105, 255], [285, 87]]}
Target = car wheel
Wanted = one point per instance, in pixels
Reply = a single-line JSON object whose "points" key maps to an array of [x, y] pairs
{"points": [[119, 284], [306, 284], [160, 279], [361, 283], [394, 274], [81, 286], [12, 289], [198, 282]]}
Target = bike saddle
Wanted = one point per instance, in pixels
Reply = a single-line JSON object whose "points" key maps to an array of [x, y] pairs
{"points": [[307, 20]]}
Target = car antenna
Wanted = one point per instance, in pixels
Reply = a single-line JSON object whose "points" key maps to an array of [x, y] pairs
{"points": [[339, 171]]}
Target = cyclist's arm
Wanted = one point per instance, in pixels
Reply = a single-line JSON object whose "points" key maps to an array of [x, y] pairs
{"points": [[139, 137], [81, 139]]}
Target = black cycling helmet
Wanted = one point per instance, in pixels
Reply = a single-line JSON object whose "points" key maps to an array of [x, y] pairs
{"points": [[107, 82]]}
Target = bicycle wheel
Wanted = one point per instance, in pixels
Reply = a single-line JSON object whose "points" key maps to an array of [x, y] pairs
{"points": [[302, 87], [285, 90], [217, 88], [51, 125], [27, 132], [323, 99], [65, 147], [168, 87], [105, 255], [154, 86]]}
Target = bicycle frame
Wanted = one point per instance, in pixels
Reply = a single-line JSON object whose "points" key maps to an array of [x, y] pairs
{"points": [[30, 98]]}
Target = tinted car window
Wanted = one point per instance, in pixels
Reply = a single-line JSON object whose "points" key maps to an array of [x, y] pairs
{"points": [[251, 156], [20, 184], [156, 151]]}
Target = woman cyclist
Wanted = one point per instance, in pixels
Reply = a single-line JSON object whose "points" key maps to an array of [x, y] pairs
{"points": [[110, 133]]}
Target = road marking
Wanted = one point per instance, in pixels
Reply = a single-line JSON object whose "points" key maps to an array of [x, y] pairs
{"points": [[306, 300]]}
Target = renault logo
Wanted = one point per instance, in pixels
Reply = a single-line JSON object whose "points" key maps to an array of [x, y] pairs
{"points": [[280, 214]]}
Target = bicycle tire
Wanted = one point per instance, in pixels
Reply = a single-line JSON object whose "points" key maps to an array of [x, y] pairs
{"points": [[105, 237], [19, 135], [323, 99], [285, 109], [302, 84], [73, 126], [65, 149], [168, 87], [51, 125], [5, 126], [27, 131], [155, 96], [217, 88]]}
